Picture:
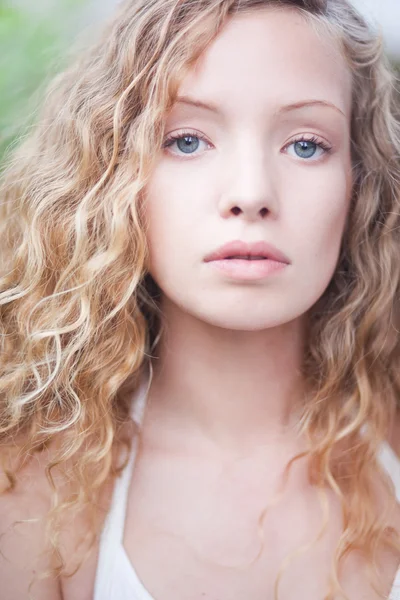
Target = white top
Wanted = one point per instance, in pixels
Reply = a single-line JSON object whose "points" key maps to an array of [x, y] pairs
{"points": [[116, 578]]}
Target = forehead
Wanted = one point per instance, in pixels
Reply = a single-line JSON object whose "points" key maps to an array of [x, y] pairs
{"points": [[267, 58]]}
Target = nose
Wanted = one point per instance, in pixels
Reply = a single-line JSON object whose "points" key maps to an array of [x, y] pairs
{"points": [[248, 187]]}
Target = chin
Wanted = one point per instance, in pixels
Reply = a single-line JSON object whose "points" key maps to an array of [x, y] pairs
{"points": [[245, 318], [242, 309]]}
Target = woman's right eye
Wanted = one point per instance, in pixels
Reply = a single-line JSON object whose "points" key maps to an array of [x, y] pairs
{"points": [[185, 144]]}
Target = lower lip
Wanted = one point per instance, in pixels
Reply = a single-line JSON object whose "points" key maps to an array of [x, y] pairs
{"points": [[247, 270]]}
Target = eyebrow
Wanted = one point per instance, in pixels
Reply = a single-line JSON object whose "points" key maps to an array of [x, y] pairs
{"points": [[282, 110], [308, 104]]}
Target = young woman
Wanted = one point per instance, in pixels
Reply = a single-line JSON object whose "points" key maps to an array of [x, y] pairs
{"points": [[200, 313]]}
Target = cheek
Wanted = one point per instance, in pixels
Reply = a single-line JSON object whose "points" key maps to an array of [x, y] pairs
{"points": [[319, 217], [171, 209]]}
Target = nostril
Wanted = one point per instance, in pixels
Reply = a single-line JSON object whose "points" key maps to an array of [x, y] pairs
{"points": [[264, 211], [236, 210]]}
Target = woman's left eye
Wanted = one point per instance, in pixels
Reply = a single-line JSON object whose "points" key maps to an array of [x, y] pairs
{"points": [[185, 143], [307, 149]]}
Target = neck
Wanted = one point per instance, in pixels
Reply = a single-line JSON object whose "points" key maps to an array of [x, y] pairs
{"points": [[238, 389]]}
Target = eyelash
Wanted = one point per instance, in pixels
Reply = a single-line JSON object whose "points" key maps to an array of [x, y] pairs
{"points": [[182, 134], [313, 139], [301, 138]]}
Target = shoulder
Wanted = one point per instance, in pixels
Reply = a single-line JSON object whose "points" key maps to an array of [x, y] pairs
{"points": [[24, 551], [80, 550]]}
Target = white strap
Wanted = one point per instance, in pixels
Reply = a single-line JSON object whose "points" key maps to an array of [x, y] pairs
{"points": [[113, 531], [395, 593], [391, 464], [121, 488]]}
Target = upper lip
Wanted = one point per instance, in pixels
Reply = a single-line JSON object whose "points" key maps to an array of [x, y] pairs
{"points": [[245, 249]]}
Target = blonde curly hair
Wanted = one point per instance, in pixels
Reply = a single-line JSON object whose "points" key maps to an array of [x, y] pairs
{"points": [[79, 311]]}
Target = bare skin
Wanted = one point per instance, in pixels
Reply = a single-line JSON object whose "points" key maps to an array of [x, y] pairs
{"points": [[219, 425], [241, 486], [21, 544]]}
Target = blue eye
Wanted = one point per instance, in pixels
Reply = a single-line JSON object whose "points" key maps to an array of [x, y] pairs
{"points": [[185, 142], [188, 144], [308, 149], [305, 149]]}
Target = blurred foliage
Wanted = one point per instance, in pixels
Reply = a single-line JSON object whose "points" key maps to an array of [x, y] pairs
{"points": [[32, 41]]}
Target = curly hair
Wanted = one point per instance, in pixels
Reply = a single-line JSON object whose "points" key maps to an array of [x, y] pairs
{"points": [[79, 311]]}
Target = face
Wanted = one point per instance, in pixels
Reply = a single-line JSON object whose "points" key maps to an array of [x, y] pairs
{"points": [[257, 150]]}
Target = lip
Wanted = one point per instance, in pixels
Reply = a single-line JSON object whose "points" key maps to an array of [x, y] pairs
{"points": [[247, 270], [245, 249]]}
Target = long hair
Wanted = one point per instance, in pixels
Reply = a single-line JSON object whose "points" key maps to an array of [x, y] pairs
{"points": [[79, 311]]}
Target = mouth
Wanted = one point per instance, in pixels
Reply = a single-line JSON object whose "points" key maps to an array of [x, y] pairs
{"points": [[244, 261], [244, 251], [247, 268]]}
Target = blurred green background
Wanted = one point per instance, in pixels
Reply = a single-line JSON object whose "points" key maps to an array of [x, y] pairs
{"points": [[35, 36]]}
